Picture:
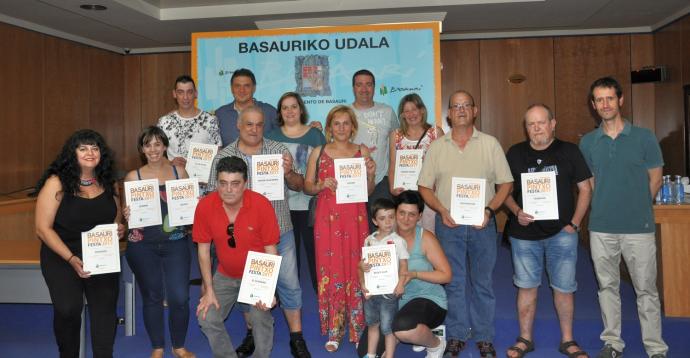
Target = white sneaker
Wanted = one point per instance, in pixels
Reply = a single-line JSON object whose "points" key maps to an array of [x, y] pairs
{"points": [[417, 348], [436, 352]]}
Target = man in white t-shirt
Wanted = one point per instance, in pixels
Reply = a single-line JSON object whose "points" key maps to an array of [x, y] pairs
{"points": [[187, 123], [376, 121]]}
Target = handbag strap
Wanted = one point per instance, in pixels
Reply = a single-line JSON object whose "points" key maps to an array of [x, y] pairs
{"points": [[420, 138]]}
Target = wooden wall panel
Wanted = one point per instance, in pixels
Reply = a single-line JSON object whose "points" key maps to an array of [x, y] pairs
{"points": [[132, 111], [579, 61], [106, 92], [21, 136], [670, 120], [158, 73], [685, 50], [460, 61], [503, 103], [66, 93], [642, 94]]}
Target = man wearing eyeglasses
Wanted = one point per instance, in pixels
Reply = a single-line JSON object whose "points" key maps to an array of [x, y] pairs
{"points": [[252, 142], [465, 152], [235, 220]]}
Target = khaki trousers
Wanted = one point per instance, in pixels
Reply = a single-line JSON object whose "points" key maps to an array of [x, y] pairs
{"points": [[639, 253]]}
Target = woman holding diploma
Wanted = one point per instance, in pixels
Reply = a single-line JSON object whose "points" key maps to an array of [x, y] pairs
{"points": [[414, 133], [160, 255], [339, 230], [300, 139], [76, 193]]}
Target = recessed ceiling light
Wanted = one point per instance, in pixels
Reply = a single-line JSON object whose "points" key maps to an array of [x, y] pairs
{"points": [[93, 7]]}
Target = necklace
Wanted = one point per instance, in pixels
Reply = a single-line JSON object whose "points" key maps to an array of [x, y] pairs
{"points": [[87, 182]]}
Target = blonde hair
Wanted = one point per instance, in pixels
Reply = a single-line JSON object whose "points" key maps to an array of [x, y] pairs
{"points": [[340, 109], [417, 102]]}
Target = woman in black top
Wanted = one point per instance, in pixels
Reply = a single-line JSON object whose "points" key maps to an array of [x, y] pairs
{"points": [[76, 193]]}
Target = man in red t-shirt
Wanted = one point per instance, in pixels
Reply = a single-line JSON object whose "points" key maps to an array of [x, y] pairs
{"points": [[236, 220]]}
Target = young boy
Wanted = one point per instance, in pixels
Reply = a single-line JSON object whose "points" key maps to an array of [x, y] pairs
{"points": [[380, 309]]}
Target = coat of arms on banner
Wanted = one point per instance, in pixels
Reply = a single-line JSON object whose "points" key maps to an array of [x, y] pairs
{"points": [[311, 75]]}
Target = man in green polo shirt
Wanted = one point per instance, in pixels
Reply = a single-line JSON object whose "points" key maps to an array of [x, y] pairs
{"points": [[627, 165]]}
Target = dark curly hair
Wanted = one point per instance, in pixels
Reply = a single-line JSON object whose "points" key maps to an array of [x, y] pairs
{"points": [[66, 166]]}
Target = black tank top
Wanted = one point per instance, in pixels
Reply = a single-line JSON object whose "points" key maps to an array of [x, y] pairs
{"points": [[76, 215]]}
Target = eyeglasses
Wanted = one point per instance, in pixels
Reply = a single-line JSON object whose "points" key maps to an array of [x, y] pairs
{"points": [[459, 106], [231, 233]]}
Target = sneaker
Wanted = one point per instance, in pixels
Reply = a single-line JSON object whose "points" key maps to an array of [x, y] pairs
{"points": [[298, 348], [609, 352], [247, 347], [436, 352], [486, 350], [454, 348]]}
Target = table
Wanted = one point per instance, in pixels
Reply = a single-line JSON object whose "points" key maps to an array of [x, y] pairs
{"points": [[674, 273]]}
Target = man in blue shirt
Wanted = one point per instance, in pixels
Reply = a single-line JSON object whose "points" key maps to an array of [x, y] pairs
{"points": [[626, 164], [242, 86]]}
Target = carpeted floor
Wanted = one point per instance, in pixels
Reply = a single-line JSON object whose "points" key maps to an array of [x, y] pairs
{"points": [[26, 330]]}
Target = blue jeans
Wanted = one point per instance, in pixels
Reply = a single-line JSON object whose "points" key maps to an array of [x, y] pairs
{"points": [[560, 253], [381, 309], [472, 256], [288, 288], [162, 270]]}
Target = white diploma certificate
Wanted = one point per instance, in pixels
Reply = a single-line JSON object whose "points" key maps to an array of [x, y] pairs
{"points": [[383, 274], [351, 175], [259, 278], [200, 160], [467, 200], [100, 249], [408, 164], [182, 196], [143, 199], [268, 176], [539, 196]]}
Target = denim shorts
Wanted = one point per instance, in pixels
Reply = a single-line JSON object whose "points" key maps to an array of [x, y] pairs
{"points": [[558, 251], [381, 309]]}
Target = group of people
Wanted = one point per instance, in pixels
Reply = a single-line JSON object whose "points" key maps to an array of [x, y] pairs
{"points": [[445, 273]]}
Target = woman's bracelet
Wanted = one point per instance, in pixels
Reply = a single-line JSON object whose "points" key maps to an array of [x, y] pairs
{"points": [[70, 258]]}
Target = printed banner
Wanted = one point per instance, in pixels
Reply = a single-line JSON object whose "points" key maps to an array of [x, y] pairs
{"points": [[318, 63]]}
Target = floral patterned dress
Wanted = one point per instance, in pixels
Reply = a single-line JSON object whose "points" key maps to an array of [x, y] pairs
{"points": [[339, 233]]}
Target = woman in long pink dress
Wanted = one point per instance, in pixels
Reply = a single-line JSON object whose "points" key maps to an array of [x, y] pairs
{"points": [[339, 231]]}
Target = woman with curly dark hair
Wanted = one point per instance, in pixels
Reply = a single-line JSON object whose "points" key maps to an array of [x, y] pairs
{"points": [[76, 193]]}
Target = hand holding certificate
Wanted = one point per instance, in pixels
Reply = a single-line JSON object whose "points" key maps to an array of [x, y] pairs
{"points": [[351, 175], [539, 195], [382, 277], [408, 164], [259, 278], [200, 160], [143, 199], [100, 250], [268, 176], [182, 195], [467, 200]]}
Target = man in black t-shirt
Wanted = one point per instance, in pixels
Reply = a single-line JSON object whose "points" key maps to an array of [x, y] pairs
{"points": [[550, 243]]}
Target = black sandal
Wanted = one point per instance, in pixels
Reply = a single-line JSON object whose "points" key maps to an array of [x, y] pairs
{"points": [[529, 347], [563, 348]]}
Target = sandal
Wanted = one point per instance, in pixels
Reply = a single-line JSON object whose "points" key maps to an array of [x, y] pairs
{"points": [[529, 347], [563, 348], [332, 346]]}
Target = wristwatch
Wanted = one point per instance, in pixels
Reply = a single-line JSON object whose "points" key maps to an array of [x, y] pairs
{"points": [[491, 211], [577, 228]]}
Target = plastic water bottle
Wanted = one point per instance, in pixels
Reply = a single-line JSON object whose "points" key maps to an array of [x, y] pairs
{"points": [[666, 190], [680, 191]]}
